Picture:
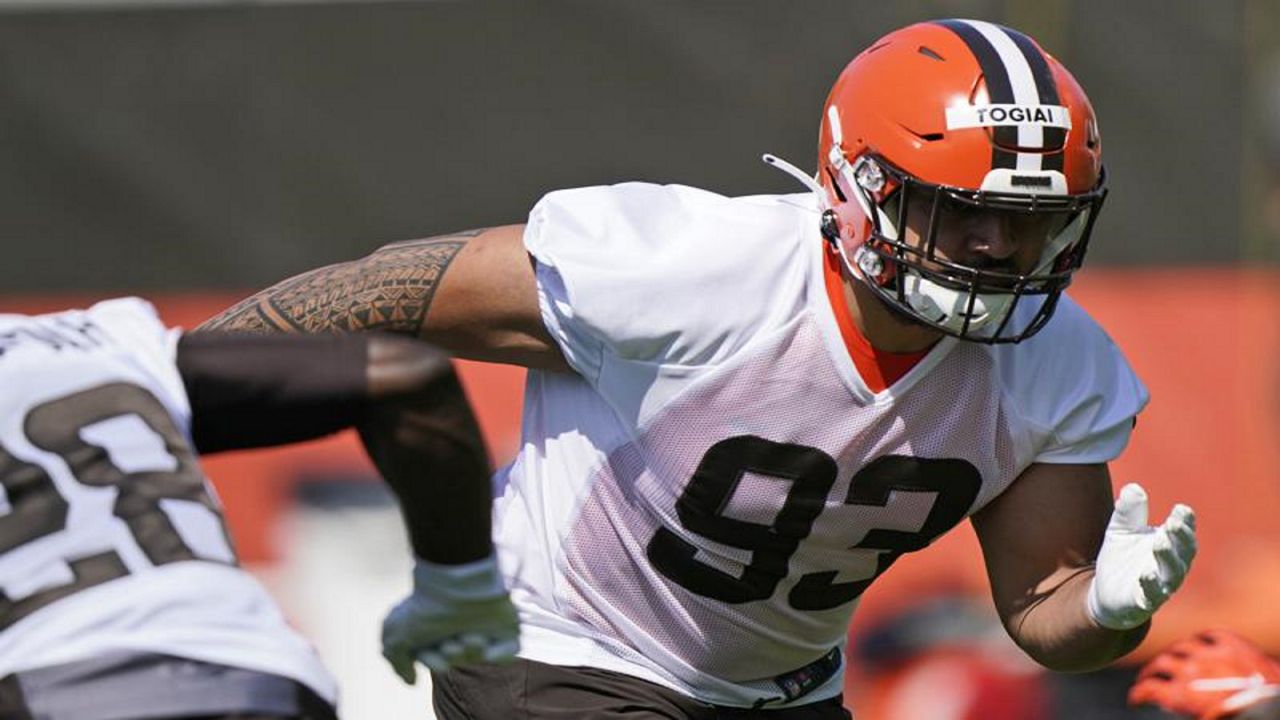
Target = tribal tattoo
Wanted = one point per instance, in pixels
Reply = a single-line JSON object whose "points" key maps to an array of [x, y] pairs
{"points": [[390, 289]]}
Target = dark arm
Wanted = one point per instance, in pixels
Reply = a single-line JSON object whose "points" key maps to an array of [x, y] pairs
{"points": [[402, 395], [249, 391], [425, 441]]}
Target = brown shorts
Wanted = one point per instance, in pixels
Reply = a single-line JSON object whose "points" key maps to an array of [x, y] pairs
{"points": [[155, 687], [527, 690]]}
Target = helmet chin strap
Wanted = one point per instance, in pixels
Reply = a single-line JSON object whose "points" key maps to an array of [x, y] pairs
{"points": [[938, 304]]}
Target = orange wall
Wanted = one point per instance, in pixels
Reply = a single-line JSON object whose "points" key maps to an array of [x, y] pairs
{"points": [[1206, 342]]}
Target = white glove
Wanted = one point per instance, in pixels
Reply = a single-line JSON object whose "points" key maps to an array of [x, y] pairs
{"points": [[1139, 566], [456, 614]]}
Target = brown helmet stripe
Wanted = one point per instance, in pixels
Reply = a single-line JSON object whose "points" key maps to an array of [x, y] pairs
{"points": [[1054, 137], [999, 87]]}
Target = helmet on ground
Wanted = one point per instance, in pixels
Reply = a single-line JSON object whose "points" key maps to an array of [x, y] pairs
{"points": [[942, 122]]}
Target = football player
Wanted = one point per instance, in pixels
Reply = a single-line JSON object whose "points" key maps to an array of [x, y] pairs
{"points": [[120, 592], [740, 411]]}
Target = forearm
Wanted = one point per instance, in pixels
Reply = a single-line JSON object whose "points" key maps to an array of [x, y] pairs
{"points": [[1054, 628], [428, 448], [249, 391]]}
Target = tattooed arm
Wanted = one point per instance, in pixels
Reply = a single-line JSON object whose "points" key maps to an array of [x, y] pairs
{"points": [[471, 293]]}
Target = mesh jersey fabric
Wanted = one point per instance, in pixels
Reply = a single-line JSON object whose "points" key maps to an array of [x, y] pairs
{"points": [[703, 503]]}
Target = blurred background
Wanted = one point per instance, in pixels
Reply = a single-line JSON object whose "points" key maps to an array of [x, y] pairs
{"points": [[195, 151]]}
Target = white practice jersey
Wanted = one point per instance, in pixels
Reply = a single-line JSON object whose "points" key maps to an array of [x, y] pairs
{"points": [[704, 502], [111, 539]]}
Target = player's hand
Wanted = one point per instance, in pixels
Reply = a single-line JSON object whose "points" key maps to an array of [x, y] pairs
{"points": [[1139, 566], [456, 614], [1211, 675]]}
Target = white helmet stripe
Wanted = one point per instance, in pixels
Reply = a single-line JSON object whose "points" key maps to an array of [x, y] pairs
{"points": [[1023, 84]]}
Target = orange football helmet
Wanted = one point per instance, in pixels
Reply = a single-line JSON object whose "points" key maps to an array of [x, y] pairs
{"points": [[970, 117], [1211, 675]]}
